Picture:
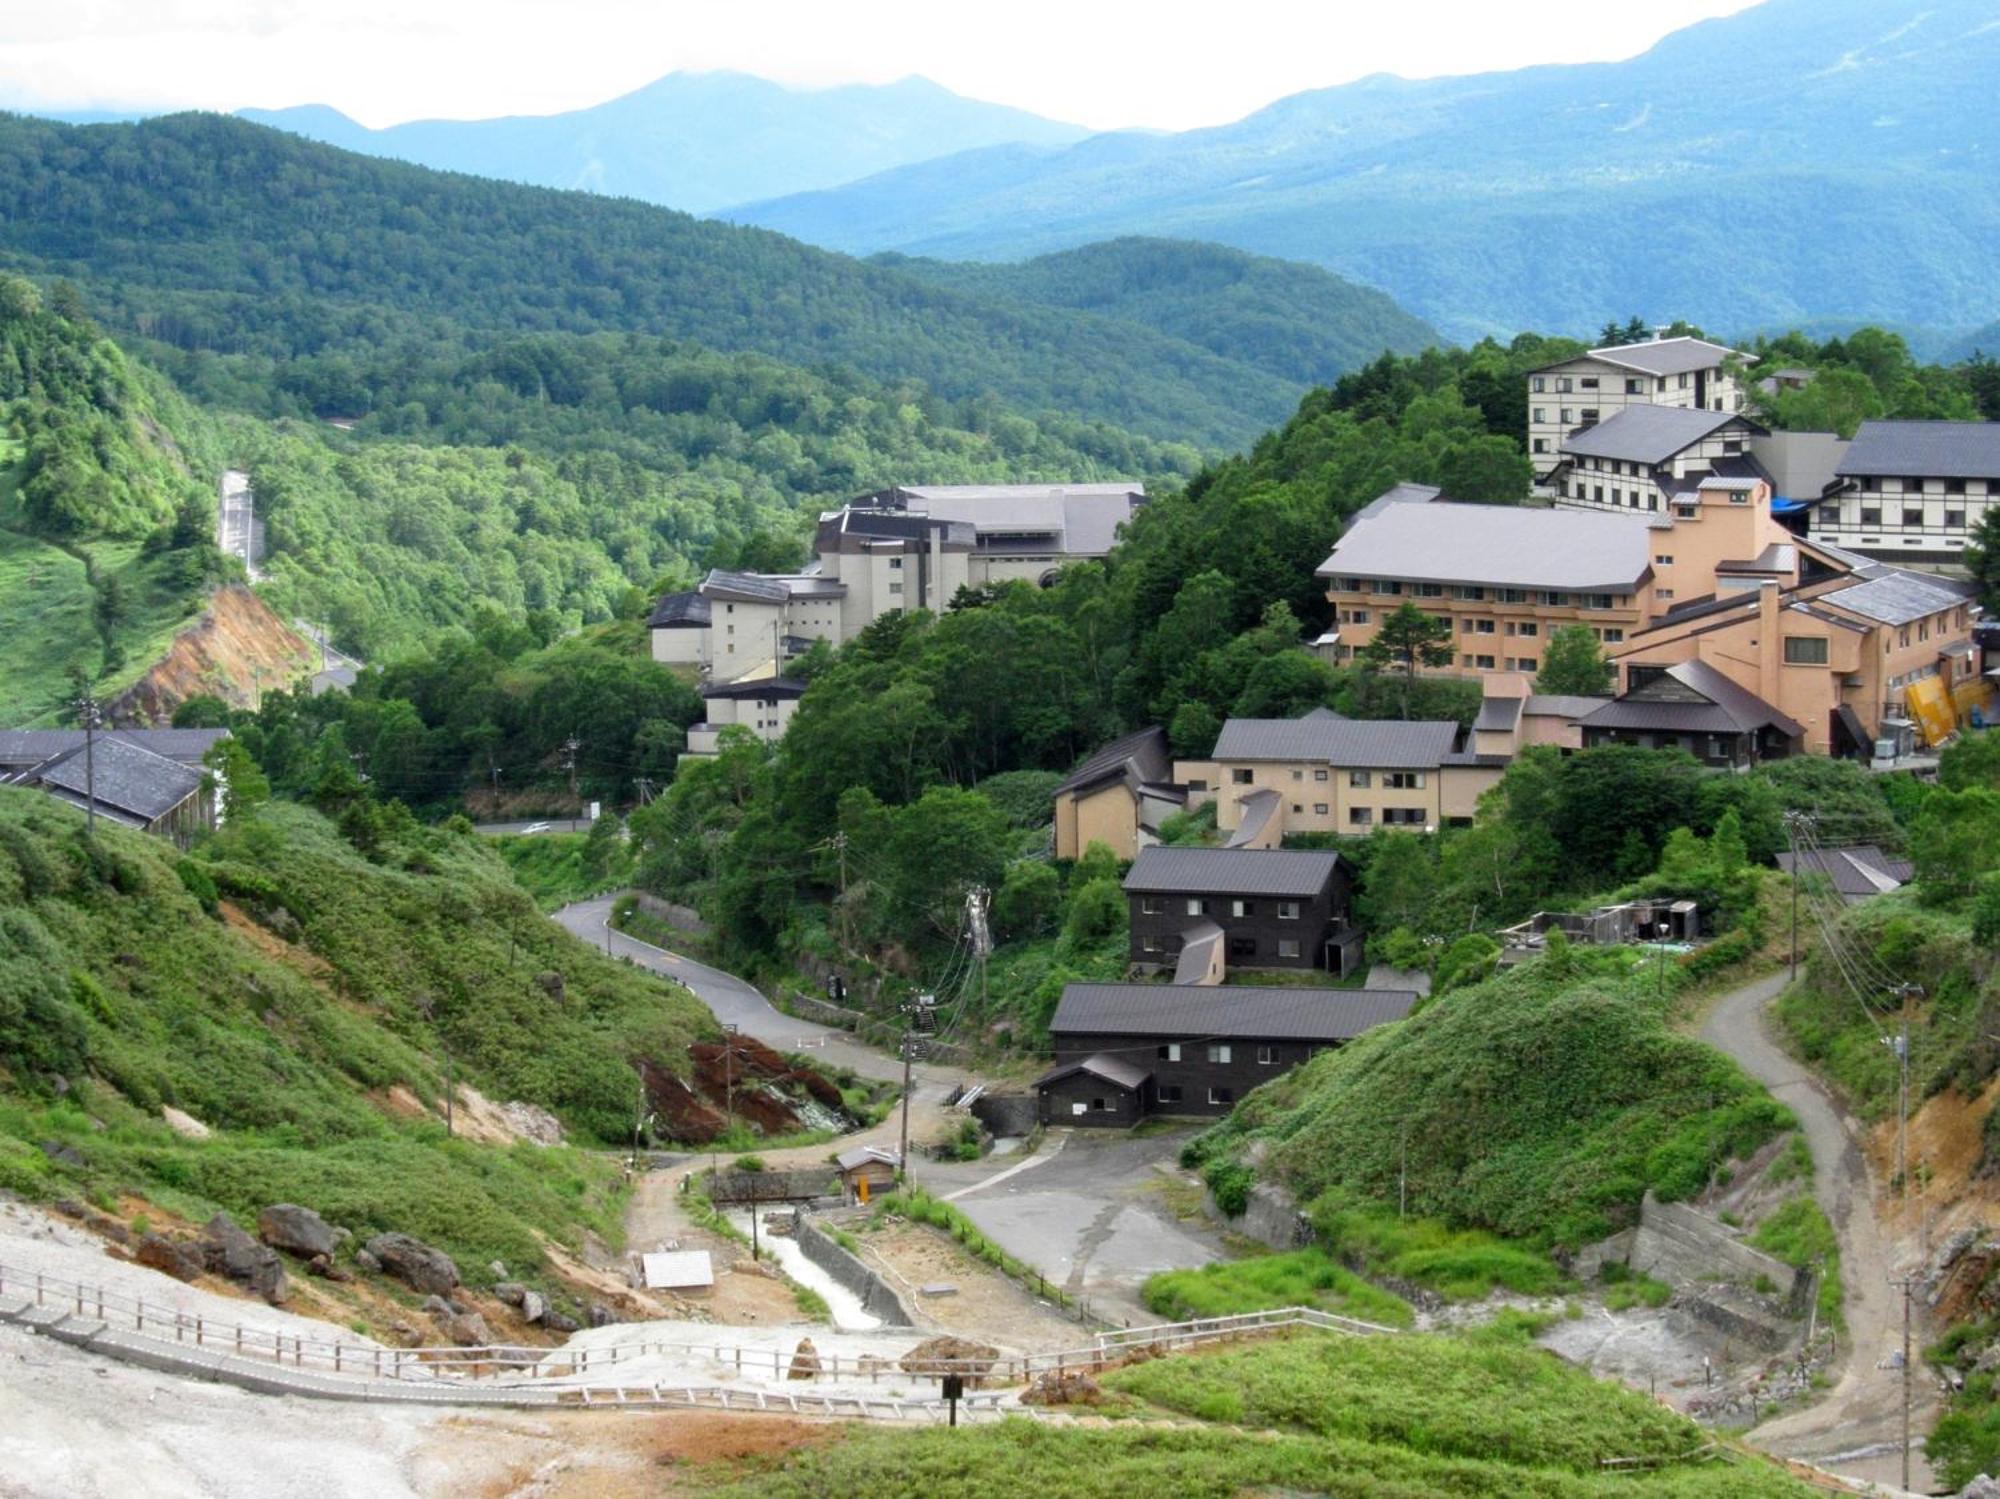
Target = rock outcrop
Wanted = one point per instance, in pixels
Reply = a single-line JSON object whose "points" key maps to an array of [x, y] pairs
{"points": [[415, 1263]]}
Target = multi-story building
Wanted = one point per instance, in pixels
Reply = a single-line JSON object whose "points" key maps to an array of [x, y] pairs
{"points": [[1647, 457], [1117, 797], [894, 549], [762, 705], [1911, 489], [1274, 908], [1326, 774], [1574, 394]]}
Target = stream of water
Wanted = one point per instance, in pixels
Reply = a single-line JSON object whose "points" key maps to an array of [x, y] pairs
{"points": [[844, 1305]]}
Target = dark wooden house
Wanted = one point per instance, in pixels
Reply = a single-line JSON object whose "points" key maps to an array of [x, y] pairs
{"points": [[1694, 707], [1126, 1051], [1278, 908]]}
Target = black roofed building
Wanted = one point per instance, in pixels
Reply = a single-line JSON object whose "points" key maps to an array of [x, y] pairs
{"points": [[678, 629], [761, 705], [1693, 706], [24, 749], [1125, 1051], [1857, 872], [1575, 395], [1276, 908], [1117, 796], [129, 785], [1911, 489]]}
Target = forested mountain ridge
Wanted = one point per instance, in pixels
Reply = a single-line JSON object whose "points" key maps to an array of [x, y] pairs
{"points": [[1296, 321], [696, 140], [224, 239], [1851, 133]]}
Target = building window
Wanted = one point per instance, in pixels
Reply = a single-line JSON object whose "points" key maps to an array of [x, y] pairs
{"points": [[1171, 1052], [895, 564], [1288, 947], [1404, 816], [1221, 1096], [1098, 1106], [1168, 1093], [1664, 559], [1288, 910], [895, 588], [1913, 518], [1484, 663], [1360, 817], [1319, 775], [1404, 780], [1590, 416], [1564, 385], [1267, 1056], [1149, 944], [1239, 908], [1239, 776], [1954, 520], [1635, 387], [1612, 636], [1298, 775], [1541, 444], [1319, 809], [1196, 906], [1871, 515], [1530, 628], [1538, 384], [1218, 1052], [1430, 590], [1527, 663], [1482, 627], [1568, 416], [1361, 778], [1588, 382], [1513, 595], [1244, 948], [1804, 650], [1472, 592]]}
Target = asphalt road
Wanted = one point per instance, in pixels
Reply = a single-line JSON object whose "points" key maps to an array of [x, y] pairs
{"points": [[1850, 1429]]}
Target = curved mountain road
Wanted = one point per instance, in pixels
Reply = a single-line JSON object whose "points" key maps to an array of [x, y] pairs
{"points": [[1856, 1429]]}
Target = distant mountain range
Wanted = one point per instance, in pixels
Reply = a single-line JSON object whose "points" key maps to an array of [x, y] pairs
{"points": [[210, 235], [697, 141], [1804, 159]]}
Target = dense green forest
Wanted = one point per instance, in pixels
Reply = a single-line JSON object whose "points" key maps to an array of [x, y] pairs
{"points": [[246, 250], [1296, 321]]}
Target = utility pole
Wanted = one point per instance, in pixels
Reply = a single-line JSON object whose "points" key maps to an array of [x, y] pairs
{"points": [[982, 938], [1794, 821], [729, 1075], [1904, 1282], [903, 1157], [570, 746], [1903, 993], [90, 717], [840, 848]]}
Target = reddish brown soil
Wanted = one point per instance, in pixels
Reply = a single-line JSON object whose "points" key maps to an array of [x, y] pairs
{"points": [[728, 1080], [237, 647]]}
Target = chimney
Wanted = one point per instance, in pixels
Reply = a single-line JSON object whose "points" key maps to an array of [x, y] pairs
{"points": [[1769, 647]]}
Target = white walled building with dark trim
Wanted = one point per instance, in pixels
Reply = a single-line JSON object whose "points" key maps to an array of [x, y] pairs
{"points": [[1574, 394], [1911, 489]]}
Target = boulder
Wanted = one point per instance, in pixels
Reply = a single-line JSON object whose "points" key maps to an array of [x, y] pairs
{"points": [[511, 1292], [1982, 1487], [805, 1361], [467, 1330], [600, 1315], [414, 1263], [323, 1266], [498, 1270], [363, 1260], [181, 1260], [183, 1124], [533, 1308], [559, 1322], [295, 1230], [438, 1309], [61, 1154], [233, 1253]]}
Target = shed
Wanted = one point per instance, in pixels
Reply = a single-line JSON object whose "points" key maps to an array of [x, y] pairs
{"points": [[1101, 1090], [867, 1170]]}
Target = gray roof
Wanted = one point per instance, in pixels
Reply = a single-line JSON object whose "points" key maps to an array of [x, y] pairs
{"points": [[862, 1155], [1665, 356], [1778, 557], [1232, 871], [1084, 518], [1230, 1011], [120, 776], [1858, 872], [1729, 709], [1375, 744], [1259, 807], [757, 688], [1562, 704], [1498, 715], [1924, 450], [1114, 1070], [1648, 434], [1896, 596], [26, 747], [752, 588], [1404, 493], [1502, 546], [1137, 759], [686, 610]]}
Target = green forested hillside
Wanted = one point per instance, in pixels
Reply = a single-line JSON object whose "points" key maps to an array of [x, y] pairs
{"points": [[224, 239], [278, 985], [107, 506], [1296, 321]]}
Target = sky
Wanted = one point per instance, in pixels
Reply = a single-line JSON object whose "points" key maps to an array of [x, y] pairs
{"points": [[1167, 65]]}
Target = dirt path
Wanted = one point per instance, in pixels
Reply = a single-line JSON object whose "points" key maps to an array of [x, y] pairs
{"points": [[1856, 1430]]}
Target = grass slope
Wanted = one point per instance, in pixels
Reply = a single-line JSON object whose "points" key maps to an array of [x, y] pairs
{"points": [[321, 982]]}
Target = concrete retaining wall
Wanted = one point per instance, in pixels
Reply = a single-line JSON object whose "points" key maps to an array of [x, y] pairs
{"points": [[875, 1032], [680, 918], [1010, 1114], [878, 1298], [1271, 1217], [1683, 1246]]}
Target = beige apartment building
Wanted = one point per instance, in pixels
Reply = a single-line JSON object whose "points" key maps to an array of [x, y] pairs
{"points": [[1575, 394], [891, 550], [1507, 578], [1270, 777], [1911, 489], [761, 705]]}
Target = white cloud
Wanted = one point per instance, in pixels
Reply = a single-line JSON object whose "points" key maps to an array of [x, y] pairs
{"points": [[1174, 64]]}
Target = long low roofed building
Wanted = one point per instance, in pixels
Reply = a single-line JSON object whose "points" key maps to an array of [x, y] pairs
{"points": [[1275, 908], [1127, 1051]]}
